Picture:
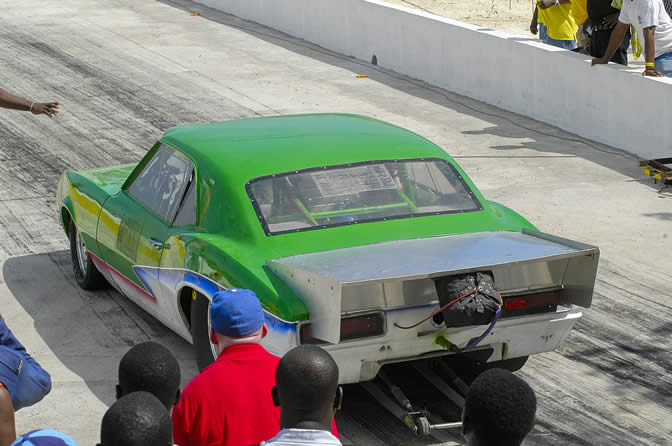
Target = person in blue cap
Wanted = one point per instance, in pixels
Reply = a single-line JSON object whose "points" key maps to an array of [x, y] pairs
{"points": [[229, 403], [44, 437], [25, 380]]}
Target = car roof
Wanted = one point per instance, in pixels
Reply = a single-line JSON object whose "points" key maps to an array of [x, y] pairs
{"points": [[248, 148]]}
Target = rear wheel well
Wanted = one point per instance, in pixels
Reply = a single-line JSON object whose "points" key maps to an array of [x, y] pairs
{"points": [[186, 298]]}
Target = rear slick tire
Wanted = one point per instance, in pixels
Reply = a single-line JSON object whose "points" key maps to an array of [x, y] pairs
{"points": [[200, 331], [86, 274]]}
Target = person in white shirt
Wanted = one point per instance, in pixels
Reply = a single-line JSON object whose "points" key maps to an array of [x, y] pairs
{"points": [[654, 28], [308, 394]]}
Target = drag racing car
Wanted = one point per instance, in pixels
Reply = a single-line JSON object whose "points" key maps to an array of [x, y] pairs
{"points": [[356, 235]]}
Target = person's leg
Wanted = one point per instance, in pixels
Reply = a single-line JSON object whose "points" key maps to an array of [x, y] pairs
{"points": [[26, 380], [664, 64]]}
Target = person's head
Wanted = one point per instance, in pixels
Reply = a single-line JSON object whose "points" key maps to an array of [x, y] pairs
{"points": [[236, 317], [44, 437], [498, 410], [137, 419], [152, 368], [307, 389]]}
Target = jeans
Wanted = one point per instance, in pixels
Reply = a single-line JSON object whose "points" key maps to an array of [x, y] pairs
{"points": [[25, 380], [664, 64], [566, 44]]}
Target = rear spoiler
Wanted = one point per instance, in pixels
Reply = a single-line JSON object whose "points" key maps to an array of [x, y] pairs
{"points": [[520, 261]]}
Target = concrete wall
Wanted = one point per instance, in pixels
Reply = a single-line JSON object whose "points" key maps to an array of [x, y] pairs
{"points": [[517, 73]]}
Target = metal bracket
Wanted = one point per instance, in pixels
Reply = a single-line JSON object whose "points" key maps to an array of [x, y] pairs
{"points": [[401, 407]]}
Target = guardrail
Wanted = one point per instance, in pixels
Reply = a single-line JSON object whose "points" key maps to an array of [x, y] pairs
{"points": [[608, 104]]}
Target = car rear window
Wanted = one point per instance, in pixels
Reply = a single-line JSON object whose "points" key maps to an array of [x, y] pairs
{"points": [[356, 193]]}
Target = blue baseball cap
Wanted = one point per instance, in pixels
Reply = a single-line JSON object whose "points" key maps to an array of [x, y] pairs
{"points": [[44, 437], [236, 313]]}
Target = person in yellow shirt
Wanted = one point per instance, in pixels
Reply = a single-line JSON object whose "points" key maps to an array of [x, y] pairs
{"points": [[554, 21], [580, 14]]}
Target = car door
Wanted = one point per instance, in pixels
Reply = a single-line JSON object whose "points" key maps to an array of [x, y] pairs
{"points": [[136, 223]]}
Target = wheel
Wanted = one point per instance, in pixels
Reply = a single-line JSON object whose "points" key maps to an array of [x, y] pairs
{"points": [[87, 275], [206, 351], [423, 427]]}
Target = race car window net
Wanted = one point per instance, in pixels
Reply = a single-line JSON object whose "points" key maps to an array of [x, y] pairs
{"points": [[161, 183], [356, 193]]}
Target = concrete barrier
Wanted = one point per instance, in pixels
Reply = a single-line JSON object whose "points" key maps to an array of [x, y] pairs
{"points": [[607, 104]]}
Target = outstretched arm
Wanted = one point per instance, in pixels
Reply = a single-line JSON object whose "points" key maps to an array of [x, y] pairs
{"points": [[8, 100], [617, 36], [7, 426]]}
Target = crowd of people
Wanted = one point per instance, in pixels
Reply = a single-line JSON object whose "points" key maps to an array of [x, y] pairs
{"points": [[246, 397], [605, 29]]}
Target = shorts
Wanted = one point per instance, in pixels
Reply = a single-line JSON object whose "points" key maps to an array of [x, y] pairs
{"points": [[566, 44], [664, 64]]}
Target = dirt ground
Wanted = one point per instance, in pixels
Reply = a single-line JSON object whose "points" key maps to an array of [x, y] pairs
{"points": [[512, 16]]}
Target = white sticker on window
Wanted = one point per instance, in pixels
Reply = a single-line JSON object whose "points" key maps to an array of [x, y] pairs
{"points": [[353, 180]]}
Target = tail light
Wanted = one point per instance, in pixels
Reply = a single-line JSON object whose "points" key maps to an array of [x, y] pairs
{"points": [[352, 327], [533, 303]]}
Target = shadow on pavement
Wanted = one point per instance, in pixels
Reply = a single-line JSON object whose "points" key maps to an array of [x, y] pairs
{"points": [[88, 332]]}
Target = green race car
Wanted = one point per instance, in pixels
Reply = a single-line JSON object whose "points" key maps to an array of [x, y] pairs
{"points": [[344, 226]]}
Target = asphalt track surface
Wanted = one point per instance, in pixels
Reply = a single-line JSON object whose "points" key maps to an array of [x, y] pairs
{"points": [[126, 71]]}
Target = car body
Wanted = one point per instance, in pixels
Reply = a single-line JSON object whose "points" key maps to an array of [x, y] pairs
{"points": [[339, 223]]}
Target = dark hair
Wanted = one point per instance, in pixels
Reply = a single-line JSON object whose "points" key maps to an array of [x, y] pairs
{"points": [[137, 419], [307, 380], [150, 367], [499, 409]]}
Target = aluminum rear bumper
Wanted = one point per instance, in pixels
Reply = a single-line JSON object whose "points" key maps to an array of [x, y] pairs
{"points": [[512, 337]]}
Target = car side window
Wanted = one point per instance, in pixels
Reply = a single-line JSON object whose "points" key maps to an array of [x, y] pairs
{"points": [[161, 183], [186, 215]]}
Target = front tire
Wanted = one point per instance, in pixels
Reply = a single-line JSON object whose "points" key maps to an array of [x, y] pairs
{"points": [[87, 275], [200, 331]]}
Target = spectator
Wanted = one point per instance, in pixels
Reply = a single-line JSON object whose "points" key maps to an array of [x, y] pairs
{"points": [[150, 367], [44, 437], [7, 426], [580, 14], [668, 7], [24, 379], [8, 100], [498, 410], [137, 419], [229, 402], [308, 394], [554, 21], [654, 28], [602, 18]]}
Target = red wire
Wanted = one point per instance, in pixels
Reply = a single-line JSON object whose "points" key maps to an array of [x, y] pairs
{"points": [[437, 311]]}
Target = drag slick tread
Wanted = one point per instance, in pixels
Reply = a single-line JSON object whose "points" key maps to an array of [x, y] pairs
{"points": [[200, 331]]}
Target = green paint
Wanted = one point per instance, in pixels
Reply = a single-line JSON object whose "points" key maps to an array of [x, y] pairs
{"points": [[228, 243], [445, 343]]}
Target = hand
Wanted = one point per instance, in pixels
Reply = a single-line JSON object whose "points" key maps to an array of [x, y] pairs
{"points": [[611, 20], [45, 108], [652, 72], [598, 61], [534, 27]]}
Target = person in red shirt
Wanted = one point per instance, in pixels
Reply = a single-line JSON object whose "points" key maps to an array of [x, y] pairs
{"points": [[230, 403]]}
